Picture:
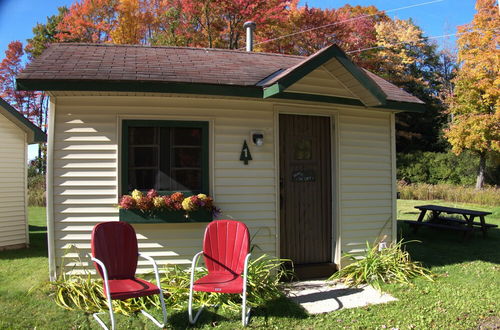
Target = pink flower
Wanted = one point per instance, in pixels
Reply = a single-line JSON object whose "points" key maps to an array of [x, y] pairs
{"points": [[127, 202], [152, 194]]}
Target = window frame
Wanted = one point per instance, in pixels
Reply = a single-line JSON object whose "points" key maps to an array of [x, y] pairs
{"points": [[203, 125]]}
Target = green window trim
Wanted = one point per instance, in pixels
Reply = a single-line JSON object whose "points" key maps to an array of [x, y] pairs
{"points": [[203, 125]]}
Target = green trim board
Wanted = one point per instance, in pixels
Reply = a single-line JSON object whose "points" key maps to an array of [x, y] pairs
{"points": [[138, 86], [164, 123], [404, 106], [315, 61], [137, 216], [318, 98], [38, 135]]}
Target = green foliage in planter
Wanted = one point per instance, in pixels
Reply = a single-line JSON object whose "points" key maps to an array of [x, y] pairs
{"points": [[389, 265], [74, 292]]}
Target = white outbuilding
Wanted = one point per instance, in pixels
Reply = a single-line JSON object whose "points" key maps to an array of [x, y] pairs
{"points": [[301, 149], [16, 132]]}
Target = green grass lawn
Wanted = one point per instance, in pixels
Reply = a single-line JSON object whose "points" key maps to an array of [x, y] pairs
{"points": [[465, 294]]}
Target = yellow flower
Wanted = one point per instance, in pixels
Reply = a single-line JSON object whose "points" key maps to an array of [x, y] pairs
{"points": [[158, 202], [137, 195], [187, 205], [202, 196]]}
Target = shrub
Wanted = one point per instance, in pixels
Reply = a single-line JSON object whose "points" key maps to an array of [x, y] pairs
{"points": [[435, 167], [74, 292], [36, 190], [389, 265]]}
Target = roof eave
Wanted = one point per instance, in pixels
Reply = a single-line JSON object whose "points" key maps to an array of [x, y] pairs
{"points": [[35, 134]]}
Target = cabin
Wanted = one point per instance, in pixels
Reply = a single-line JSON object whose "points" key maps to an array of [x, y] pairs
{"points": [[16, 132], [301, 149]]}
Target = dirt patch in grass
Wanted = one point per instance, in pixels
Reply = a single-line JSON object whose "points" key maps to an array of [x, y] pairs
{"points": [[491, 322]]}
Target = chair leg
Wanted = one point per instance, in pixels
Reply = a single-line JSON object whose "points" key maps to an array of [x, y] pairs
{"points": [[245, 314], [164, 311], [111, 316], [190, 307]]}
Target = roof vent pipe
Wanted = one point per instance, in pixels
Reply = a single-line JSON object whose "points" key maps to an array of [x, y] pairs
{"points": [[249, 26]]}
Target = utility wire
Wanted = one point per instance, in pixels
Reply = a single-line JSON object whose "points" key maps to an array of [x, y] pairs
{"points": [[344, 21], [423, 38]]}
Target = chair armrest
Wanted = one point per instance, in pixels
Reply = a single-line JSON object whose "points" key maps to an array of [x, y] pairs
{"points": [[155, 267], [245, 269], [194, 263], [104, 272]]}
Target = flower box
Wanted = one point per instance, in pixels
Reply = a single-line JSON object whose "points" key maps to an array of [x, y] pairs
{"points": [[137, 216]]}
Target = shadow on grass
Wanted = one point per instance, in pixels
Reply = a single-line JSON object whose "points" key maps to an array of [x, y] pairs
{"points": [[37, 228], [209, 316], [280, 308], [37, 248], [441, 247]]}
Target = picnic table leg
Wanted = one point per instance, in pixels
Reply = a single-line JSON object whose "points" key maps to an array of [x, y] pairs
{"points": [[483, 225], [470, 223], [420, 219]]}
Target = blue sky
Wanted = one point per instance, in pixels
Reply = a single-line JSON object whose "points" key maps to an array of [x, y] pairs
{"points": [[18, 17]]}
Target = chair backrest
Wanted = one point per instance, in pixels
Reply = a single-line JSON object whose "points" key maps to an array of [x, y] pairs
{"points": [[225, 246], [115, 244]]}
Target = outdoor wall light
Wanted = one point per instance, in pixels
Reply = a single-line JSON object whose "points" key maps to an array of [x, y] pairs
{"points": [[257, 138]]}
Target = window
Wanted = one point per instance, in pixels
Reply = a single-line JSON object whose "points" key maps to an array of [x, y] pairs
{"points": [[165, 155]]}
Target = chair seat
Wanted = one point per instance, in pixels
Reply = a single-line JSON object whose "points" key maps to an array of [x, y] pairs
{"points": [[222, 282], [131, 288]]}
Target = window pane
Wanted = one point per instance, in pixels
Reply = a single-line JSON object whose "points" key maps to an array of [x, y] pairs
{"points": [[186, 180], [187, 157], [187, 136], [143, 135], [142, 179], [302, 149], [143, 157], [166, 157]]}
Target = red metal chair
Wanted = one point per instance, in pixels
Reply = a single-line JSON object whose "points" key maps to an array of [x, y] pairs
{"points": [[115, 254], [226, 253]]}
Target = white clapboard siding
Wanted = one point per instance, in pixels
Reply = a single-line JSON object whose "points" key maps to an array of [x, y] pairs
{"points": [[365, 179], [13, 183], [86, 158], [321, 82]]}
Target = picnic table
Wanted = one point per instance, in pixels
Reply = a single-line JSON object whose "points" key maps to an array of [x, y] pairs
{"points": [[436, 220]]}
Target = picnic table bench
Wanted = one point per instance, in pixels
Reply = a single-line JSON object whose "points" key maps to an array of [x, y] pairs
{"points": [[467, 225]]}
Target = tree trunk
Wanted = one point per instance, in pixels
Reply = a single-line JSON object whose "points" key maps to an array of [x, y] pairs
{"points": [[480, 172]]}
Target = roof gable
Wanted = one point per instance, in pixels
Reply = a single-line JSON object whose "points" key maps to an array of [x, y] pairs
{"points": [[335, 61], [35, 134]]}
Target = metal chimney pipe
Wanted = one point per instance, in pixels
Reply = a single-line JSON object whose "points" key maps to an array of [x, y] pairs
{"points": [[249, 26]]}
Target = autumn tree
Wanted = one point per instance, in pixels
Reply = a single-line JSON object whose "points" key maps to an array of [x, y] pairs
{"points": [[475, 103], [216, 24], [130, 27], [88, 21], [349, 27]]}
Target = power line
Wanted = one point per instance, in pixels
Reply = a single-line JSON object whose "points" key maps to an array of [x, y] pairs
{"points": [[347, 20], [423, 38]]}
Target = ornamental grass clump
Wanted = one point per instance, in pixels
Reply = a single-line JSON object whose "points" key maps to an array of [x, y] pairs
{"points": [[85, 293], [391, 264]]}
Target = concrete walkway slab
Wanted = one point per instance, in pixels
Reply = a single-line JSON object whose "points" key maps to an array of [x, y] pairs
{"points": [[320, 296]]}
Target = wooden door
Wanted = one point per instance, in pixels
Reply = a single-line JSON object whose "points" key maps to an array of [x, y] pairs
{"points": [[305, 189]]}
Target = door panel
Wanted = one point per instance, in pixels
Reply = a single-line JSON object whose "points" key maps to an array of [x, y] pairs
{"points": [[305, 189]]}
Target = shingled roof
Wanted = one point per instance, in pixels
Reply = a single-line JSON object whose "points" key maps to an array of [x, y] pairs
{"points": [[73, 66]]}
